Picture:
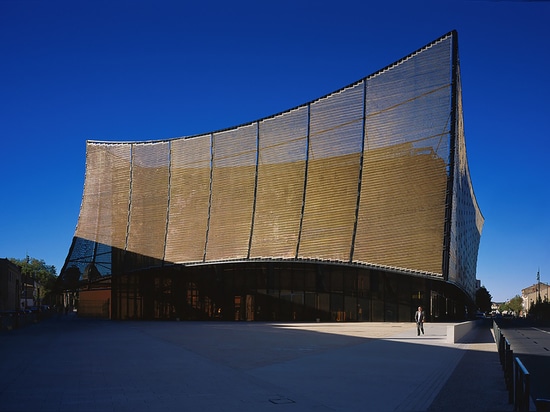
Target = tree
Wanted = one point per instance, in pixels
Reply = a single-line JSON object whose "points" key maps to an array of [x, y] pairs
{"points": [[513, 305], [41, 272], [483, 300]]}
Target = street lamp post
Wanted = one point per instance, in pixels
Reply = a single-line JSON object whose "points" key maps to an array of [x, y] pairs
{"points": [[538, 285]]}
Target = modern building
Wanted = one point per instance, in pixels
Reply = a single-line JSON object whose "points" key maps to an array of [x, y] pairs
{"points": [[357, 206]]}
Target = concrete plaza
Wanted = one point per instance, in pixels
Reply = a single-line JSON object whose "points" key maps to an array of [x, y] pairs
{"points": [[72, 364]]}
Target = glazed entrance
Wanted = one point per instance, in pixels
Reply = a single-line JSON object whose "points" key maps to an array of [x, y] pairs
{"points": [[279, 291]]}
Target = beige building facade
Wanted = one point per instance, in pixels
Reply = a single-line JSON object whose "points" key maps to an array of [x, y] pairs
{"points": [[534, 293]]}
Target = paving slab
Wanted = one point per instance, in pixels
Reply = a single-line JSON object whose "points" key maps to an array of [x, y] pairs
{"points": [[70, 364]]}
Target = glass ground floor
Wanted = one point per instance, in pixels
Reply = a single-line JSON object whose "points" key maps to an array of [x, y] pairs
{"points": [[282, 291]]}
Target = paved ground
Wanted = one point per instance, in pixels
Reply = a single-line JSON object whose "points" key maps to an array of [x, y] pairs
{"points": [[477, 383], [531, 344], [72, 364]]}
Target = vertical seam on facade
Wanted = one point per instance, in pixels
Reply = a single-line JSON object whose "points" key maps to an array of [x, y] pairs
{"points": [[452, 158], [255, 188], [98, 213], [94, 256], [98, 218], [305, 181], [168, 201], [128, 220], [209, 196], [360, 177]]}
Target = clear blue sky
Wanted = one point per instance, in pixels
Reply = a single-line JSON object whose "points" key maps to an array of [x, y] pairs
{"points": [[144, 70]]}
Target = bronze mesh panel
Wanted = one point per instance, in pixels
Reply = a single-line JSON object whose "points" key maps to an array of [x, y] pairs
{"points": [[233, 179], [467, 220], [149, 202], [189, 197], [88, 219], [402, 206], [373, 158], [281, 172], [330, 208], [336, 130], [104, 212], [402, 210]]}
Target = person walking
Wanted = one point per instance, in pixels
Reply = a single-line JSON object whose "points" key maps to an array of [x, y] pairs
{"points": [[419, 319]]}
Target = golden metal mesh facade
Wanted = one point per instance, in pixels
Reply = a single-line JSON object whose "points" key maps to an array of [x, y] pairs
{"points": [[334, 160], [374, 174], [149, 200], [232, 195], [280, 186], [189, 199], [104, 210]]}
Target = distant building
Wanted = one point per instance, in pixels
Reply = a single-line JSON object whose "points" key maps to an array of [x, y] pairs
{"points": [[495, 307], [30, 293], [531, 294], [10, 286], [357, 206]]}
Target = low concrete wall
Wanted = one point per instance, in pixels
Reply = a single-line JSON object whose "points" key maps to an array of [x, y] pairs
{"points": [[457, 331], [15, 320]]}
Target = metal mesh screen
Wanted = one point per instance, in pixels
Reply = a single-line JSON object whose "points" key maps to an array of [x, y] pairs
{"points": [[336, 135], [149, 200], [233, 180], [467, 221], [189, 199], [104, 211], [360, 176], [280, 187], [103, 219], [402, 206]]}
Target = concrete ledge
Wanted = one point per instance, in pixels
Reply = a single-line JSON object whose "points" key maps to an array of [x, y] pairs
{"points": [[457, 331]]}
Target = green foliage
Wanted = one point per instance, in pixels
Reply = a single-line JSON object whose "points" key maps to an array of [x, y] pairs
{"points": [[39, 270], [513, 305], [483, 300]]}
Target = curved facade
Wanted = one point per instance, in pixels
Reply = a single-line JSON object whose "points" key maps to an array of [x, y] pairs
{"points": [[370, 179]]}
